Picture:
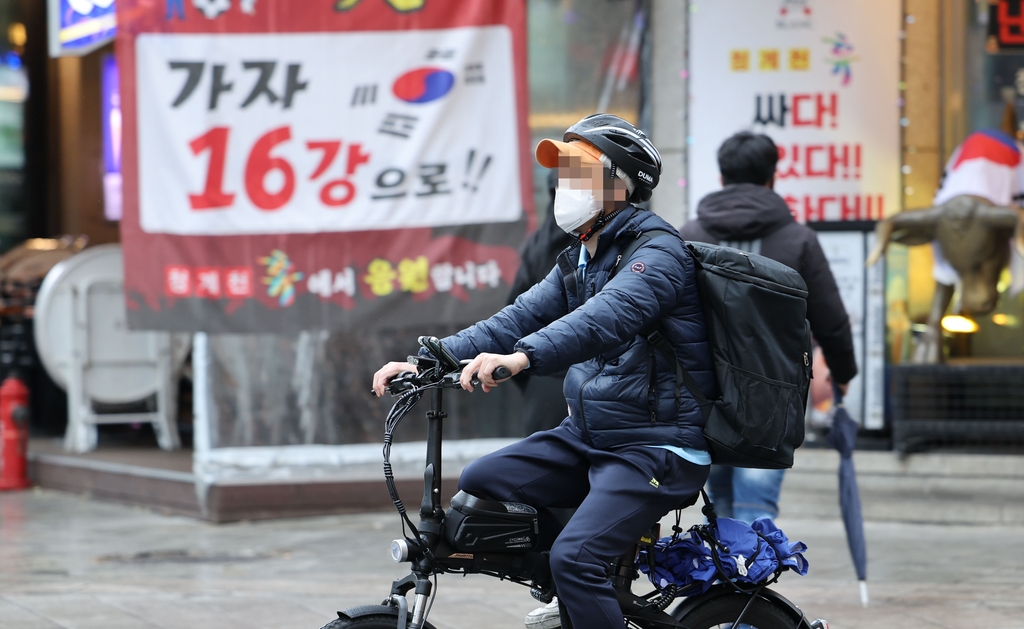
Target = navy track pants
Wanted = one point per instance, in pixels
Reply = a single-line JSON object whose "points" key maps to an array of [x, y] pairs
{"points": [[618, 495]]}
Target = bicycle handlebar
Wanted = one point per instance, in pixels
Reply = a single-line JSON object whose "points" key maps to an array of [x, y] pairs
{"points": [[445, 370], [408, 380]]}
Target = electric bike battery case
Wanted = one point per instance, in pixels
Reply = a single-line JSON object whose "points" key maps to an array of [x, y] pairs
{"points": [[476, 525]]}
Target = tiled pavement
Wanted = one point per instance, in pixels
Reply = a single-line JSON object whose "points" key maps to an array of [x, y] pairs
{"points": [[69, 562]]}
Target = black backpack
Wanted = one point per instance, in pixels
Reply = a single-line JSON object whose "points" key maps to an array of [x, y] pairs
{"points": [[756, 314]]}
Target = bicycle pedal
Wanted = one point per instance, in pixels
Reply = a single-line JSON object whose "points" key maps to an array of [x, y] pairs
{"points": [[543, 595]]}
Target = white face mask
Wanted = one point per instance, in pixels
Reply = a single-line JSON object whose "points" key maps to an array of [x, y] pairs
{"points": [[574, 207]]}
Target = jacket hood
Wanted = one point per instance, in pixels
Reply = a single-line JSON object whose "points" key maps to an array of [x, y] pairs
{"points": [[743, 211]]}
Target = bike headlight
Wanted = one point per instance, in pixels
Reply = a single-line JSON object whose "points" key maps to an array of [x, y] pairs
{"points": [[400, 550]]}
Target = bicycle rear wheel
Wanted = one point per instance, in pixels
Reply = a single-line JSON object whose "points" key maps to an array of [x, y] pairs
{"points": [[721, 611]]}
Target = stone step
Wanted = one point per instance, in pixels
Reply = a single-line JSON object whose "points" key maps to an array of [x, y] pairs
{"points": [[937, 488], [258, 483]]}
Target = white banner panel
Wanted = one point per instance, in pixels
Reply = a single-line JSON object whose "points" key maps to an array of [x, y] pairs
{"points": [[301, 133], [822, 79]]}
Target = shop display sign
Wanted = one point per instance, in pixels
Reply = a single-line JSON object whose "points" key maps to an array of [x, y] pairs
{"points": [[77, 27], [862, 289], [1005, 26], [822, 79], [354, 163]]}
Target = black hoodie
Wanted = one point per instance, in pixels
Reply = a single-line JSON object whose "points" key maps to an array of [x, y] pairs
{"points": [[745, 212]]}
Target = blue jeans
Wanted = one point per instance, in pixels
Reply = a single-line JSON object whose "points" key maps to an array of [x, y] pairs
{"points": [[743, 493]]}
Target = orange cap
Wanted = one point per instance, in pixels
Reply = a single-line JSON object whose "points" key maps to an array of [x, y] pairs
{"points": [[548, 152]]}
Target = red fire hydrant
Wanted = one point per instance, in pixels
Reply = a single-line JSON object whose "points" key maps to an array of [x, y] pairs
{"points": [[13, 434]]}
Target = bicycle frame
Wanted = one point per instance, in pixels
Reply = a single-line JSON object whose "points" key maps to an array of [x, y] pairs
{"points": [[434, 556]]}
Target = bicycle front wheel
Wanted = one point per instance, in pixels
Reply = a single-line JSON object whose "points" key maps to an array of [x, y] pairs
{"points": [[721, 611], [373, 621]]}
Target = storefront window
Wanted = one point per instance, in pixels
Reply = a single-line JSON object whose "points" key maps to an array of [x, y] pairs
{"points": [[994, 71], [13, 92], [994, 98]]}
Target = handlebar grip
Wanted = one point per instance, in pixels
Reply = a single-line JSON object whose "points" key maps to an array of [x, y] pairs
{"points": [[500, 373]]}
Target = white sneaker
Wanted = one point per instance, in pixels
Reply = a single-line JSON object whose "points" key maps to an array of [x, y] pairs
{"points": [[544, 617]]}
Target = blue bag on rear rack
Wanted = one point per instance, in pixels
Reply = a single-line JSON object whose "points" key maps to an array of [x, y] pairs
{"points": [[729, 550]]}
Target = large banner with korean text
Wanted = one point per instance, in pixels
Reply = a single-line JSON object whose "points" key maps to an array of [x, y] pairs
{"points": [[321, 164], [822, 79]]}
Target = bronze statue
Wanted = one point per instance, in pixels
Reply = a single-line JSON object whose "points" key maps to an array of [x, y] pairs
{"points": [[972, 234]]}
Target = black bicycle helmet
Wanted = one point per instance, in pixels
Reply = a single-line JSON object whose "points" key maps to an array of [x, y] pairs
{"points": [[628, 147]]}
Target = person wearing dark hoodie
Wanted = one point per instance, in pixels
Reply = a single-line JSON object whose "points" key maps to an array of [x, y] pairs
{"points": [[747, 214]]}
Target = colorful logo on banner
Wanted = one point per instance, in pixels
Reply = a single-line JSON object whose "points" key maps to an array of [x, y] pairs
{"points": [[794, 14], [842, 57], [794, 7], [280, 279]]}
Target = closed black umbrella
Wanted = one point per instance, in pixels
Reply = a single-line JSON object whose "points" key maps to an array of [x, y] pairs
{"points": [[842, 437]]}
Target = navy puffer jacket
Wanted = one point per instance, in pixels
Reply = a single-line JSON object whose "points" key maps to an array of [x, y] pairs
{"points": [[620, 390]]}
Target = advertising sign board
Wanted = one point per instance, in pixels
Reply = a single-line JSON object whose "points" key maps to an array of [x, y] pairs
{"points": [[821, 79], [77, 27], [350, 164]]}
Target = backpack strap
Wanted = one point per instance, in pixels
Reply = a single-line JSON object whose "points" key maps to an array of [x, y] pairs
{"points": [[683, 377], [641, 239], [658, 340], [569, 278]]}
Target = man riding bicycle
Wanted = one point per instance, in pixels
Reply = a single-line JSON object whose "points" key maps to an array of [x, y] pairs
{"points": [[631, 448]]}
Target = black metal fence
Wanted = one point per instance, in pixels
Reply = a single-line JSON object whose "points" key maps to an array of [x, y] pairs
{"points": [[956, 404]]}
